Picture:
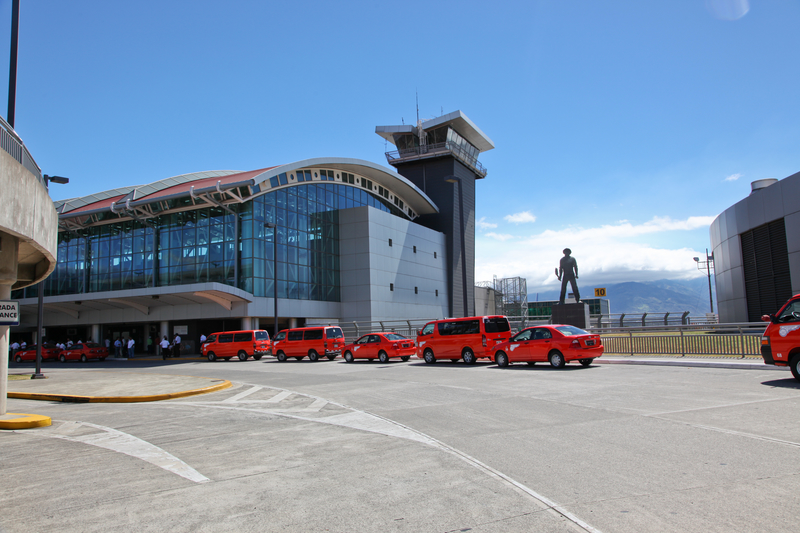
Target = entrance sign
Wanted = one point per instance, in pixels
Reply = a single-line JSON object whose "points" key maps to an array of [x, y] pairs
{"points": [[9, 313]]}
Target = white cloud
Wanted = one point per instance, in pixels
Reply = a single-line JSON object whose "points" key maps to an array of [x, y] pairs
{"points": [[520, 218], [733, 177], [606, 254], [499, 236], [482, 224]]}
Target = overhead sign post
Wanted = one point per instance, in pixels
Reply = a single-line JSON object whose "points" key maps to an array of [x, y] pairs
{"points": [[600, 293], [9, 313]]}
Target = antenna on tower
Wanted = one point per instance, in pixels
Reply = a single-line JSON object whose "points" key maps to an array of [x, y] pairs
{"points": [[423, 141]]}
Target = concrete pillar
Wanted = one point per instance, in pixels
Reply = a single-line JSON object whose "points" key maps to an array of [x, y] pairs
{"points": [[163, 329], [8, 276], [256, 323], [96, 335], [292, 322], [246, 323]]}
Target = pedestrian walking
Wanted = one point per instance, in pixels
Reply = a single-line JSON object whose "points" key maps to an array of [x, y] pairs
{"points": [[131, 344]]}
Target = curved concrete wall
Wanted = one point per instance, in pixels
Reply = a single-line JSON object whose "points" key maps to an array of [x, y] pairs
{"points": [[28, 215], [780, 200]]}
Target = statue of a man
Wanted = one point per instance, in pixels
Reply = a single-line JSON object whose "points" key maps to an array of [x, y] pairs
{"points": [[568, 271]]}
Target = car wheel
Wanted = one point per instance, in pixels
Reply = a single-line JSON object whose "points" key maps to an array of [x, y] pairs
{"points": [[83, 358], [501, 359], [586, 362], [242, 355], [469, 356], [348, 357], [281, 357], [429, 357], [331, 357], [795, 366], [211, 356], [257, 357], [61, 358], [405, 358], [313, 356], [18, 359], [557, 359], [531, 363], [383, 357]]}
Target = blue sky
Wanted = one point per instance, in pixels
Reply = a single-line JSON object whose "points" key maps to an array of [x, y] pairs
{"points": [[622, 127]]}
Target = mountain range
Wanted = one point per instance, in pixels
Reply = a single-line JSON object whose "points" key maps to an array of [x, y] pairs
{"points": [[663, 296]]}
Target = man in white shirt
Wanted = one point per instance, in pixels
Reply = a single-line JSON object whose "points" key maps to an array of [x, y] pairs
{"points": [[131, 344], [164, 348], [176, 346], [202, 338]]}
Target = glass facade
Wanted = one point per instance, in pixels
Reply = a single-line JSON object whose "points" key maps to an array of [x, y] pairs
{"points": [[212, 244]]}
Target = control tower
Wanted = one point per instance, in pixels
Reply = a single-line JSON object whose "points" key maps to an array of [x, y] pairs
{"points": [[440, 156]]}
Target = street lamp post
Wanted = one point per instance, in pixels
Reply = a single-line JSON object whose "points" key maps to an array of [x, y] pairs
{"points": [[708, 264], [456, 179], [274, 228], [40, 319]]}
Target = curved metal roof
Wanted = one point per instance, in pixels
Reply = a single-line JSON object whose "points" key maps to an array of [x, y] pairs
{"points": [[223, 187]]}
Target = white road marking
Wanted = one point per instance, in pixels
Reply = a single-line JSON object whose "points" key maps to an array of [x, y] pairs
{"points": [[316, 406], [364, 421], [117, 441], [244, 394], [730, 432], [279, 397]]}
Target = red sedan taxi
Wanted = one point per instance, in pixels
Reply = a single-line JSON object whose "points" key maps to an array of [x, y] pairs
{"points": [[29, 353], [558, 343], [83, 352], [381, 346]]}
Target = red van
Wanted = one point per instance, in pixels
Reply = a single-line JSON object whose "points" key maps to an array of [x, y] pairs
{"points": [[314, 342], [780, 343], [469, 338], [241, 344]]}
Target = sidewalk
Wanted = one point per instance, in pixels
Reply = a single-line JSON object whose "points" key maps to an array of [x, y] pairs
{"points": [[111, 386], [747, 363]]}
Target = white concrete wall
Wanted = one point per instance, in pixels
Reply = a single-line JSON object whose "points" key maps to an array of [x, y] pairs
{"points": [[29, 215], [369, 266]]}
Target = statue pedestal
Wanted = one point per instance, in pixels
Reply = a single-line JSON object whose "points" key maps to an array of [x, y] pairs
{"points": [[573, 314]]}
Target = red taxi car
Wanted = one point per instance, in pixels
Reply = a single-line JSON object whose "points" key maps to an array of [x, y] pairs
{"points": [[29, 354], [558, 343], [780, 343], [381, 346], [83, 352]]}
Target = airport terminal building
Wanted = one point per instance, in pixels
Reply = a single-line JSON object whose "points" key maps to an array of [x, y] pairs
{"points": [[334, 239], [756, 246]]}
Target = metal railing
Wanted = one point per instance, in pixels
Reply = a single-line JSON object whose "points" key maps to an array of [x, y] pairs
{"points": [[12, 143], [433, 150], [727, 340]]}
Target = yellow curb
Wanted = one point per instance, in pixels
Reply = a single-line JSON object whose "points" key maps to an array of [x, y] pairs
{"points": [[25, 421], [117, 399]]}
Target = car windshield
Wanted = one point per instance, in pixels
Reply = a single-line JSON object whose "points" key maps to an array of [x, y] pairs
{"points": [[395, 337], [262, 336], [571, 330]]}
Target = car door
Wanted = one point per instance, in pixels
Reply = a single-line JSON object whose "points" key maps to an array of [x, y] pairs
{"points": [[360, 349], [519, 347], [540, 344], [788, 337], [373, 345]]}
